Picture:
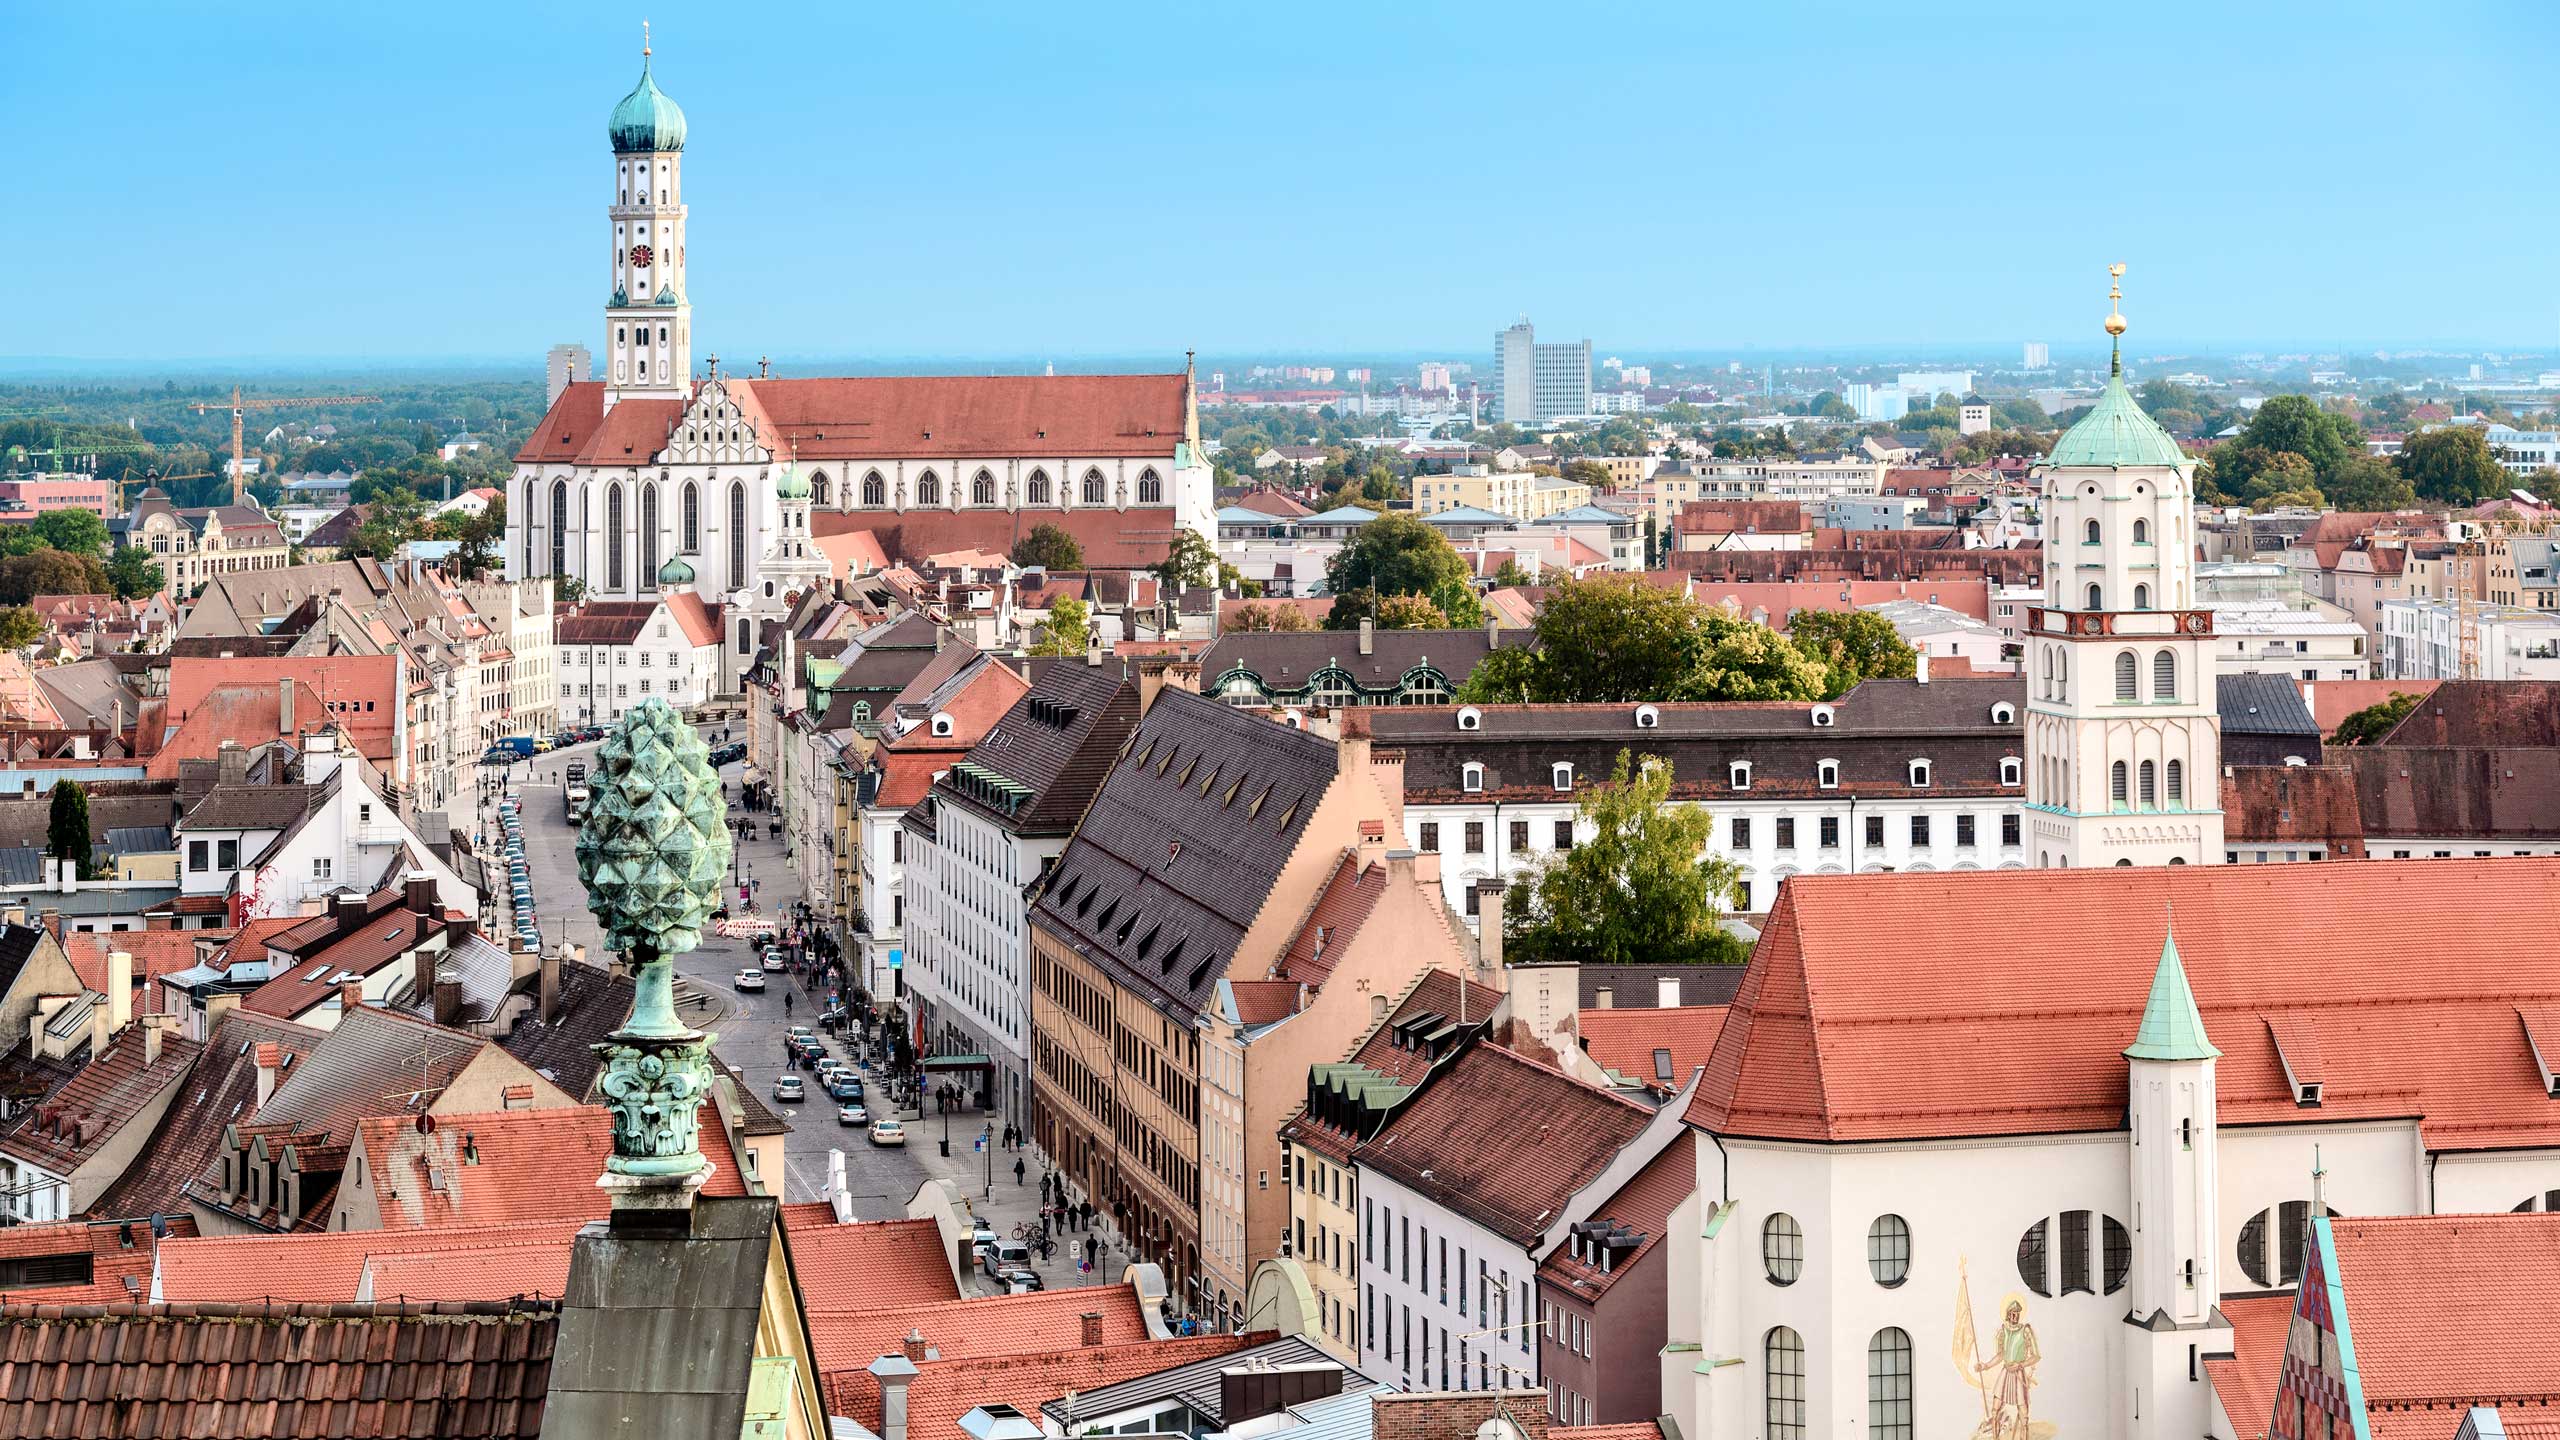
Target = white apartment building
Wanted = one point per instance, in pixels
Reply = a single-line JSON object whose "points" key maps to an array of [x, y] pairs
{"points": [[277, 848], [610, 655], [2524, 452], [519, 613], [2422, 640], [1808, 480], [2309, 641], [1534, 382]]}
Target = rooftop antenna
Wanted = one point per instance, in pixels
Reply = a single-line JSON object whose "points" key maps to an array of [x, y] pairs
{"points": [[2115, 320], [2319, 1187]]}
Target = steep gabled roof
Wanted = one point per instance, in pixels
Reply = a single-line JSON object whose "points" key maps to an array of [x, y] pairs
{"points": [[222, 1091], [1038, 766]]}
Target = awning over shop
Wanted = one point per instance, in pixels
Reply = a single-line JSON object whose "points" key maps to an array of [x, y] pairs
{"points": [[958, 1062]]}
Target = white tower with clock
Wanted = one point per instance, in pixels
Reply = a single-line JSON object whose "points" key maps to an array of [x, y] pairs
{"points": [[648, 324], [2124, 730]]}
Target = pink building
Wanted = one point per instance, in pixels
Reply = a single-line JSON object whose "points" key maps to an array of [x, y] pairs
{"points": [[22, 500]]}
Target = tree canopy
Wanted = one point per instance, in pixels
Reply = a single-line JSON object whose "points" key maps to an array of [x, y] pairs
{"points": [[1852, 645], [1270, 615], [131, 574], [1640, 884], [1189, 561], [1398, 554], [78, 531], [66, 833], [1064, 632], [2453, 465], [2368, 725], [1049, 547], [1616, 638], [20, 627]]}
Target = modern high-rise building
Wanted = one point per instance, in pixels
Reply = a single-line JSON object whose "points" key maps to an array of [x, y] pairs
{"points": [[1539, 382], [2037, 356]]}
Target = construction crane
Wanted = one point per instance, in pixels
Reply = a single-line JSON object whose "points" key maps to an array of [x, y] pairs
{"points": [[19, 454], [151, 478], [240, 411]]}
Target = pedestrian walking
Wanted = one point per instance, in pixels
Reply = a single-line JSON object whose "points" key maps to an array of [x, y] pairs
{"points": [[1017, 1170], [1088, 1252]]}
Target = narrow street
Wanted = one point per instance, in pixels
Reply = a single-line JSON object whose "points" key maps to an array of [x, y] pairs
{"points": [[749, 1027]]}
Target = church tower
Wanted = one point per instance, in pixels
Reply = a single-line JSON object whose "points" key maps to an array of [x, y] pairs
{"points": [[648, 324], [2124, 739], [2175, 1286]]}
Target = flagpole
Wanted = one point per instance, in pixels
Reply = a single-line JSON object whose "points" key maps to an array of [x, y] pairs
{"points": [[1972, 1337]]}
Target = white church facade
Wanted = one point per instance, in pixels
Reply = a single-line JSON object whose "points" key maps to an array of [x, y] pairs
{"points": [[655, 462]]}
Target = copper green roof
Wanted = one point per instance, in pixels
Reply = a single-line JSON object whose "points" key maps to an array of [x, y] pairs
{"points": [[646, 119], [675, 572], [791, 485], [2115, 432], [2172, 1028]]}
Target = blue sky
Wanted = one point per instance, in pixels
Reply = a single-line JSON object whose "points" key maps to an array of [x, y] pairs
{"points": [[1054, 181]]}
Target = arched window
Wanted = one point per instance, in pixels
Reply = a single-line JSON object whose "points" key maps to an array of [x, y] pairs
{"points": [[2177, 783], [2096, 600], [1782, 1248], [690, 540], [2141, 532], [1150, 488], [648, 535], [737, 533], [743, 634], [1889, 1250], [982, 490], [559, 527], [875, 491], [2150, 786], [2127, 677], [928, 489], [1093, 487], [1037, 492], [1782, 1383], [525, 516], [1889, 1385], [2164, 676], [821, 489], [2141, 597], [2091, 533], [613, 537], [2115, 782]]}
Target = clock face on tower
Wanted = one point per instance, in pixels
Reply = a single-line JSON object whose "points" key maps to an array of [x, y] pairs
{"points": [[641, 255]]}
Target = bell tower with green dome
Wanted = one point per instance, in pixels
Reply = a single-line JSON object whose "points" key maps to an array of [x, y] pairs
{"points": [[2123, 734], [648, 324]]}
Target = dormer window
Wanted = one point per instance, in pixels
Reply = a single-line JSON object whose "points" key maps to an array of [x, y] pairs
{"points": [[1822, 716], [1919, 774], [2004, 713], [1741, 771], [1471, 778], [1647, 717], [1470, 718], [2010, 771], [941, 726], [1563, 775], [1827, 774]]}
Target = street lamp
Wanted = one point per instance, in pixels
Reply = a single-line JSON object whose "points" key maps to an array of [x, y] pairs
{"points": [[987, 1142]]}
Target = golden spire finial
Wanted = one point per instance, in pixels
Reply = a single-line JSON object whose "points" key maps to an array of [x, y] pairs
{"points": [[644, 39], [2115, 317]]}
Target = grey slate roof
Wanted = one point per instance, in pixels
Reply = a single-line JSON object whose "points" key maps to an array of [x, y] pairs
{"points": [[21, 865], [593, 1002], [139, 840], [658, 1328], [252, 807], [1197, 1384], [1183, 845], [2264, 705], [1038, 767]]}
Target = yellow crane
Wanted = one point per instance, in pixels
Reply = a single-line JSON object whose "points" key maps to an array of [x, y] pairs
{"points": [[240, 411]]}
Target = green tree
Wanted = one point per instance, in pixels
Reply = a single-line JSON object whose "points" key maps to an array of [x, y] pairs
{"points": [[1511, 574], [2368, 725], [2284, 479], [1269, 616], [19, 628], [1588, 472], [568, 589], [1615, 638], [2363, 482], [131, 574], [1189, 561], [1639, 885], [1851, 645], [1409, 612], [1399, 555], [391, 522], [1051, 548], [48, 571], [2453, 465], [66, 833], [477, 538], [2296, 423], [1232, 581], [78, 531], [1064, 632]]}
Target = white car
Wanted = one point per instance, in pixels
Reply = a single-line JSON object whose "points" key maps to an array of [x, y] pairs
{"points": [[773, 961], [750, 980], [885, 1131], [853, 1116], [789, 1088]]}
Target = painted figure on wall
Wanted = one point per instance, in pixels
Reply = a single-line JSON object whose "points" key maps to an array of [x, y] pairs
{"points": [[2004, 1370]]}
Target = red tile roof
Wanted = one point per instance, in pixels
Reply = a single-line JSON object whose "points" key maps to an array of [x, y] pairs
{"points": [[314, 978], [1625, 1040], [2448, 1311], [943, 1391], [1110, 539], [155, 953], [1341, 908], [119, 1257], [1753, 517], [1465, 1140], [504, 1271], [531, 1164], [110, 1093], [889, 1262], [1893, 1006], [852, 1336], [327, 1266], [244, 715], [1633, 1430], [2483, 713], [2332, 701], [1642, 1205], [1260, 1002], [2245, 1380], [353, 690], [330, 1373]]}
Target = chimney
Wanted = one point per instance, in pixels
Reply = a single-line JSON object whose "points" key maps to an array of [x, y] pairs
{"points": [[895, 1373], [1492, 633], [215, 1007], [1368, 635], [346, 913], [448, 994], [913, 1346], [102, 1030], [550, 988], [320, 758], [284, 706], [270, 1060], [231, 764], [1920, 667], [421, 891], [1091, 1322], [119, 989], [154, 1029], [1489, 898], [350, 997]]}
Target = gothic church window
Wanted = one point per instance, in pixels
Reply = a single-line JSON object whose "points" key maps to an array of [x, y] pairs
{"points": [[1093, 487], [559, 527], [649, 535], [737, 534], [1150, 488], [982, 489], [875, 491], [691, 540], [1038, 490], [928, 489]]}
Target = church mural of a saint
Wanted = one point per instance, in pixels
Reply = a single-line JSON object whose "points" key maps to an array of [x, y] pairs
{"points": [[2000, 1360]]}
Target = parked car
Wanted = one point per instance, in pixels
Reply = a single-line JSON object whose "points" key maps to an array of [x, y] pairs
{"points": [[841, 1086], [853, 1115], [982, 1238], [1020, 1280], [750, 979], [801, 1032], [788, 1088], [885, 1131], [1004, 1255]]}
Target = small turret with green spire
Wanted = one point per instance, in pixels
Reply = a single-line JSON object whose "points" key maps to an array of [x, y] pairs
{"points": [[2172, 1028]]}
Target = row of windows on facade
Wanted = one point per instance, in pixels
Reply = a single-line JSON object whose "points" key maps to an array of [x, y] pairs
{"points": [[1826, 774], [1493, 1288], [1922, 829], [1381, 1323], [620, 691]]}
